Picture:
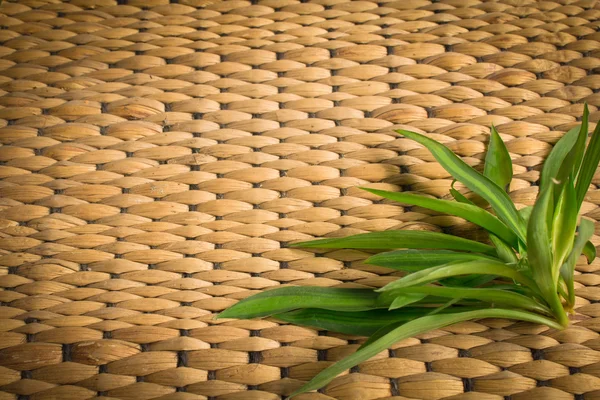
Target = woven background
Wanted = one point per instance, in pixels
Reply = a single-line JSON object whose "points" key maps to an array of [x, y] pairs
{"points": [[157, 159]]}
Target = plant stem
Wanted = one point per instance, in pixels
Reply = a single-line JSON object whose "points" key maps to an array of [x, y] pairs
{"points": [[557, 309]]}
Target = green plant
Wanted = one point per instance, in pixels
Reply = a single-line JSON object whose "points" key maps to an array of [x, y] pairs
{"points": [[524, 273]]}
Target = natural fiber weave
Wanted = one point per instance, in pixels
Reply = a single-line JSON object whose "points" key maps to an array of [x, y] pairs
{"points": [[157, 157]]}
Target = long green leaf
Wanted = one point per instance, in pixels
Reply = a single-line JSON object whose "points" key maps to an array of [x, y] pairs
{"points": [[572, 162], [467, 281], [410, 329], [498, 165], [476, 267], [363, 323], [505, 252], [589, 250], [458, 196], [474, 201], [488, 295], [540, 254], [414, 260], [406, 299], [567, 271], [293, 297], [483, 186], [399, 240], [589, 166], [538, 241], [466, 211], [563, 226], [556, 158]]}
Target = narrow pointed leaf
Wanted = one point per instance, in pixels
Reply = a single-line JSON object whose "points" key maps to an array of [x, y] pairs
{"points": [[362, 323], [557, 157], [384, 330], [445, 308], [467, 281], [572, 162], [458, 196], [498, 165], [483, 186], [505, 252], [564, 226], [540, 253], [538, 240], [476, 267], [567, 271], [461, 198], [290, 298], [589, 250], [489, 295], [589, 166], [469, 212], [414, 260], [405, 300], [399, 240], [411, 329]]}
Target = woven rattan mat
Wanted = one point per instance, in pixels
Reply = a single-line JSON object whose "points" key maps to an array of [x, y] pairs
{"points": [[157, 157]]}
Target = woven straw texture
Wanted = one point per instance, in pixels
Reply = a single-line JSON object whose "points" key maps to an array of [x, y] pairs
{"points": [[158, 157]]}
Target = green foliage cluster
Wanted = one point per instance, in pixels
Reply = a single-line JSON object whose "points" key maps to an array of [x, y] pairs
{"points": [[525, 273]]}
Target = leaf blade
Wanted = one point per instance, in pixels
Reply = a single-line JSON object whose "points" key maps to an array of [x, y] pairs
{"points": [[589, 250], [293, 297], [564, 226], [477, 267], [468, 212], [399, 239], [405, 300], [489, 295], [413, 260], [588, 166], [556, 158], [498, 165], [362, 323], [410, 329], [567, 270], [483, 186]]}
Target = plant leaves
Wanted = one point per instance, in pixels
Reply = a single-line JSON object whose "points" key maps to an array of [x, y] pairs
{"points": [[283, 299], [458, 196], [540, 254], [363, 323], [589, 166], [498, 165], [538, 240], [468, 212], [563, 226], [526, 214], [567, 270], [461, 198], [405, 300], [505, 252], [572, 162], [476, 267], [589, 250], [483, 186], [398, 240], [556, 158], [467, 281], [489, 295], [414, 260], [410, 329]]}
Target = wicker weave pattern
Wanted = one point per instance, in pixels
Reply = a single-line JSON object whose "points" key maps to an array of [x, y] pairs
{"points": [[157, 158]]}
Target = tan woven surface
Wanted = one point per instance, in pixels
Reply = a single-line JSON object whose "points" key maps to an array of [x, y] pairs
{"points": [[157, 158]]}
